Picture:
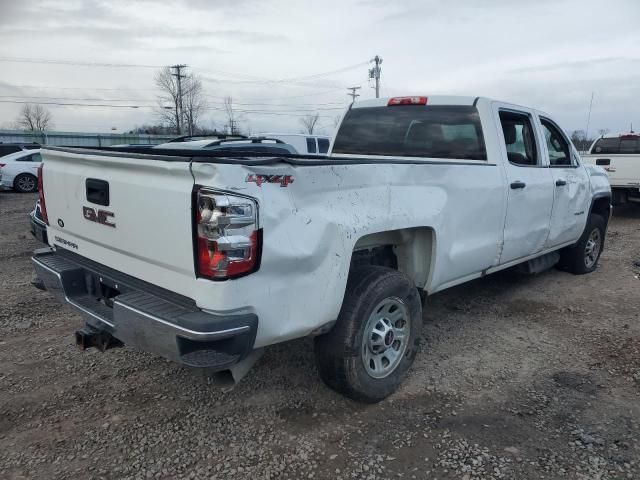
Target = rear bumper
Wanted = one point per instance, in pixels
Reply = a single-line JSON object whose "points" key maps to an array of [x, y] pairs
{"points": [[38, 228], [145, 316]]}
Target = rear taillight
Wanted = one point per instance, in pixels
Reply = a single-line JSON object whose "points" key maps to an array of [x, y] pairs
{"points": [[43, 205], [2, 165], [228, 238]]}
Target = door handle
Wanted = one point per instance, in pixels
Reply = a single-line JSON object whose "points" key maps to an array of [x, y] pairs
{"points": [[518, 184], [561, 183]]}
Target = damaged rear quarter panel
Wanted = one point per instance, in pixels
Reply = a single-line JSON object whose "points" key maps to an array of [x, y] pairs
{"points": [[310, 227]]}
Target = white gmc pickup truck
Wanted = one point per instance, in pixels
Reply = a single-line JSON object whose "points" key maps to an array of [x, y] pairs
{"points": [[205, 258], [619, 155]]}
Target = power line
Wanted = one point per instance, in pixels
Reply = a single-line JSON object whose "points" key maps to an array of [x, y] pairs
{"points": [[75, 63], [252, 79], [78, 99], [332, 72], [81, 104], [45, 87], [320, 106], [103, 105]]}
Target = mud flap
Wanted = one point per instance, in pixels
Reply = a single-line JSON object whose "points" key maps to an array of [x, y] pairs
{"points": [[230, 377]]}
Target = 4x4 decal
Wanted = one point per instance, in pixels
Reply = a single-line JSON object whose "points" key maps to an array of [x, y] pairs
{"points": [[258, 179]]}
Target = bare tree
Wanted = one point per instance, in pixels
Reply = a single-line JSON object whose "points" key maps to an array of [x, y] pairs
{"points": [[603, 131], [309, 123], [168, 101], [35, 118], [182, 117], [233, 126], [580, 140], [194, 103]]}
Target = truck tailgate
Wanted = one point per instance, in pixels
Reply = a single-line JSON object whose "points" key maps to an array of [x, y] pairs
{"points": [[145, 227]]}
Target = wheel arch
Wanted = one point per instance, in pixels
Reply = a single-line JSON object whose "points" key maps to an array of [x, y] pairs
{"points": [[22, 174], [601, 205], [413, 249]]}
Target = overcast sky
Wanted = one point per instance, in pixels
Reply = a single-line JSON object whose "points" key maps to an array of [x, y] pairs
{"points": [[549, 54]]}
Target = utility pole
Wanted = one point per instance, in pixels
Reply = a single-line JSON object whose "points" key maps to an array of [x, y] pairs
{"points": [[375, 72], [231, 127], [353, 93], [180, 113]]}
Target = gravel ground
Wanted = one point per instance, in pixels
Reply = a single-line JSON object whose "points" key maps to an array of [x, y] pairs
{"points": [[522, 377]]}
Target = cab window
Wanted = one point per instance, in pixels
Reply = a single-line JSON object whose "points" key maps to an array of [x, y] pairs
{"points": [[323, 145], [519, 139], [311, 145], [557, 145], [629, 145]]}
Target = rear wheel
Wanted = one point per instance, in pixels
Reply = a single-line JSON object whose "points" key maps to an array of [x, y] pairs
{"points": [[25, 183], [375, 340], [583, 257]]}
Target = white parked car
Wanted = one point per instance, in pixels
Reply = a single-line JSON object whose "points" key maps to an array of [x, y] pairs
{"points": [[20, 170], [619, 155], [206, 260]]}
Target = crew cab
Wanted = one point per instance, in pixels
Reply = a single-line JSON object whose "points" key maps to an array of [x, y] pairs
{"points": [[619, 155], [205, 258]]}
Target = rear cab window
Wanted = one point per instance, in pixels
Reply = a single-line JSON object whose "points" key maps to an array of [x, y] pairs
{"points": [[622, 145], [311, 145], [323, 145], [629, 145], [433, 131]]}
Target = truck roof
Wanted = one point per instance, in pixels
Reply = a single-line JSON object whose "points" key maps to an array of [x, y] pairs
{"points": [[617, 135], [431, 100]]}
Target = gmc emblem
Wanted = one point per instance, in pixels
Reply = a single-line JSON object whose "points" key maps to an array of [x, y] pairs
{"points": [[98, 216]]}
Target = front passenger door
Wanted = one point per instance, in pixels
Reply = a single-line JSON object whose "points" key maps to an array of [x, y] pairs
{"points": [[529, 184], [571, 194]]}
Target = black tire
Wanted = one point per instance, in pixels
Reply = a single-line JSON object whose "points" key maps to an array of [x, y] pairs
{"points": [[576, 259], [25, 183], [340, 353]]}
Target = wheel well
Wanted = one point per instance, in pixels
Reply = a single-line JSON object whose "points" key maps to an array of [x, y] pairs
{"points": [[602, 206], [409, 250], [23, 174]]}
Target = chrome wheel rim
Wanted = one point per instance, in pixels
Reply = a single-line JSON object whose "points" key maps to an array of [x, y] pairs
{"points": [[26, 183], [592, 248], [385, 337]]}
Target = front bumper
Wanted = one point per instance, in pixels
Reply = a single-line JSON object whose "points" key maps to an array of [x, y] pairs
{"points": [[145, 316]]}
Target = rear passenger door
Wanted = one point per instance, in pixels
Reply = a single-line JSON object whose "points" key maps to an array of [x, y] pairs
{"points": [[529, 184], [571, 194]]}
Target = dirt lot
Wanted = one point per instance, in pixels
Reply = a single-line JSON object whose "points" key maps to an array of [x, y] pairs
{"points": [[522, 377]]}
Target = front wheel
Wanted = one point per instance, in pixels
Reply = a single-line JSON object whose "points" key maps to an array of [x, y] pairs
{"points": [[25, 183], [376, 338], [583, 257]]}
